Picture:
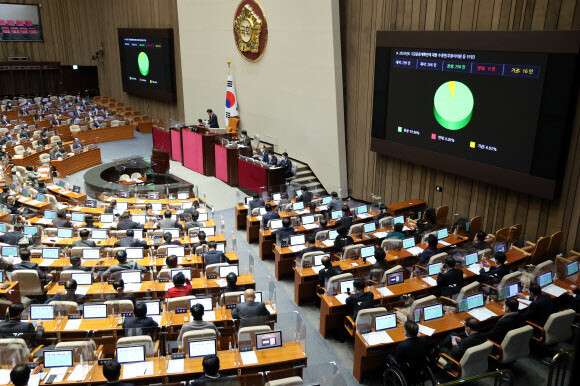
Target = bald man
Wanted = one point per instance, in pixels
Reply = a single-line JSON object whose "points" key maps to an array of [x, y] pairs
{"points": [[250, 308]]}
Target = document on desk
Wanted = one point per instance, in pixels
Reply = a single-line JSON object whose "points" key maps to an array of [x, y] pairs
{"points": [[4, 376], [302, 211], [426, 330], [82, 290], [65, 191], [157, 318], [259, 218], [380, 235], [322, 207], [79, 373], [415, 251], [328, 243], [249, 357], [33, 202], [377, 337], [371, 260], [523, 303], [296, 248], [475, 268], [444, 243], [46, 263], [310, 226], [364, 215], [134, 370], [221, 282], [167, 286], [209, 316], [44, 221], [406, 228], [317, 268], [429, 280], [175, 366], [34, 380], [481, 313], [554, 290], [58, 372], [128, 287], [270, 309], [73, 324], [342, 298], [141, 201], [384, 291]]}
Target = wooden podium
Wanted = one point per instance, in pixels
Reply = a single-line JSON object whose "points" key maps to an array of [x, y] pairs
{"points": [[160, 161]]}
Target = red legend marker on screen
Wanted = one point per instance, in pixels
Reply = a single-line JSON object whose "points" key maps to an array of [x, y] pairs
{"points": [[433, 136]]}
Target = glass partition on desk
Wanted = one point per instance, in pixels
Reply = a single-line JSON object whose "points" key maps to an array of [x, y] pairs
{"points": [[240, 198], [364, 323], [13, 351], [232, 242], [251, 266], [271, 294], [325, 374]]}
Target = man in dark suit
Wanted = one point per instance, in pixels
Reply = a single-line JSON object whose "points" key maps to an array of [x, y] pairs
{"points": [[61, 221], [125, 222], [506, 323], [23, 111], [455, 346], [347, 218], [244, 139], [412, 350], [310, 247], [130, 241], [286, 164], [212, 121], [14, 327], [450, 279], [540, 308], [250, 308], [77, 145], [140, 324], [257, 202], [27, 264], [306, 196], [263, 154], [359, 300], [211, 368], [213, 256], [272, 160], [285, 232], [479, 241], [55, 121], [167, 221], [232, 286], [13, 237], [428, 252], [112, 372], [4, 120], [75, 264], [342, 240], [123, 265], [328, 271], [69, 295], [84, 241], [381, 261], [495, 274], [270, 214]]}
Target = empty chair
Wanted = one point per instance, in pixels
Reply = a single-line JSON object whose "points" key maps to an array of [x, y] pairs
{"points": [[395, 269], [404, 313], [554, 245], [19, 150], [206, 333], [392, 244], [441, 214], [67, 275], [15, 350], [383, 223], [321, 235], [151, 348], [250, 332], [363, 316], [54, 139], [181, 302], [352, 251], [119, 306], [230, 297], [356, 229], [114, 123], [474, 226], [65, 307], [75, 128], [515, 233], [136, 175], [465, 291], [333, 283], [86, 348], [308, 258], [124, 177], [29, 282], [473, 362], [514, 346], [558, 328]]}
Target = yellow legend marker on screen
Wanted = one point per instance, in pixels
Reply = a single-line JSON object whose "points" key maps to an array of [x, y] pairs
{"points": [[472, 144], [452, 87]]}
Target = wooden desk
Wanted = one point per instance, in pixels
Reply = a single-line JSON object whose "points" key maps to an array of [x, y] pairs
{"points": [[240, 216], [226, 164], [77, 162], [106, 134], [12, 292], [258, 178], [34, 204], [406, 206], [33, 158], [67, 242], [200, 156], [66, 195]]}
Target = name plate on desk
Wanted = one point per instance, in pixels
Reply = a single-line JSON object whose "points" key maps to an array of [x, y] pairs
{"points": [[230, 306], [180, 311], [178, 356]]}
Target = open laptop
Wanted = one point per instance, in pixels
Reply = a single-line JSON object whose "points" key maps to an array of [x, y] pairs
{"points": [[95, 311], [385, 322], [432, 312], [201, 348], [226, 269], [57, 358], [268, 340], [130, 354]]}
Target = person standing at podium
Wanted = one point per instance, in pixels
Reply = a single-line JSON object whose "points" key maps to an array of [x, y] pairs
{"points": [[212, 121]]}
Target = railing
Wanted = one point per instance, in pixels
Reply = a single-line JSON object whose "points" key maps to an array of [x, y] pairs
{"points": [[559, 368], [501, 377]]}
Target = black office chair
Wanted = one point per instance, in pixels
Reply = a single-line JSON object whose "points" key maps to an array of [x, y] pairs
{"points": [[407, 373]]}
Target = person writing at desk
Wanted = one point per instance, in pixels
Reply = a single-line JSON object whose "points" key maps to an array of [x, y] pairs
{"points": [[244, 139], [15, 327], [212, 121], [20, 374]]}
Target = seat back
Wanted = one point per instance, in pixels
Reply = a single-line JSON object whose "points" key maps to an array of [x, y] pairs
{"points": [[165, 273], [206, 333], [141, 340], [181, 302], [516, 344], [214, 269], [247, 334], [333, 282], [502, 235], [230, 297], [441, 214], [474, 226], [385, 221], [392, 244], [18, 149], [438, 258], [419, 303], [356, 229], [554, 245], [366, 316], [44, 158], [65, 307], [474, 360], [539, 253], [396, 268], [289, 381], [321, 235], [468, 290], [308, 258], [86, 348], [558, 327], [67, 275], [13, 350], [515, 233], [136, 175], [28, 281], [546, 266], [119, 306], [509, 279]]}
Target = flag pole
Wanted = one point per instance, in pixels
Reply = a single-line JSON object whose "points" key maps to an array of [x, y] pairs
{"points": [[229, 67]]}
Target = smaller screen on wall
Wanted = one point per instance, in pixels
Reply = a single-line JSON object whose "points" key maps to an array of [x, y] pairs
{"points": [[20, 22], [146, 57]]}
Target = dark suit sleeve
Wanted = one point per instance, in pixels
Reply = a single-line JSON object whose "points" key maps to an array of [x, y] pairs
{"points": [[235, 313], [264, 311]]}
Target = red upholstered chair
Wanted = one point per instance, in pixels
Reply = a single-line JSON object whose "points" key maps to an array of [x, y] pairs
{"points": [[10, 23], [5, 33], [19, 23], [28, 23], [2, 23], [24, 33], [15, 33], [33, 34]]}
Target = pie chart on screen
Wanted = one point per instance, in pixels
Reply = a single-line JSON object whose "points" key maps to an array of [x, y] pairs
{"points": [[143, 62], [453, 105]]}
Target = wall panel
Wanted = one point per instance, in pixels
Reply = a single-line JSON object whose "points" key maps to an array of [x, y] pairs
{"points": [[396, 180]]}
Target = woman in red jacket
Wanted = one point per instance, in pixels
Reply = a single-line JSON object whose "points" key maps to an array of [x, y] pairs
{"points": [[182, 287]]}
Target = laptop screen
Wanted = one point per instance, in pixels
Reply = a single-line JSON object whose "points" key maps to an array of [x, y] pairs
{"points": [[178, 250], [206, 302], [99, 234], [134, 253], [41, 311], [571, 268], [226, 269], [398, 219], [336, 214], [433, 312], [442, 233], [153, 307], [545, 279], [123, 194], [122, 206], [131, 276], [91, 253], [57, 358], [434, 269], [297, 240], [183, 195], [395, 278], [370, 227], [77, 217], [30, 230], [309, 219], [203, 216], [130, 354], [107, 218], [201, 348], [318, 259], [209, 231], [385, 322], [275, 224], [9, 251], [94, 311], [91, 203], [153, 196], [367, 251], [276, 197], [298, 206], [326, 200], [185, 271], [408, 243], [50, 214], [472, 258], [332, 234], [500, 247], [50, 253], [138, 218], [346, 286], [362, 209], [511, 290], [64, 233], [268, 340], [474, 301], [82, 278]]}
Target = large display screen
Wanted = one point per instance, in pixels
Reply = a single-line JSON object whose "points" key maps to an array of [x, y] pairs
{"points": [[147, 65], [20, 22], [501, 116]]}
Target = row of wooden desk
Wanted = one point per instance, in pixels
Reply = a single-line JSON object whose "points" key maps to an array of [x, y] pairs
{"points": [[100, 135], [65, 166]]}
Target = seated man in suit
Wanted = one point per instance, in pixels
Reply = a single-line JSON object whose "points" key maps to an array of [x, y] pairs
{"points": [[120, 294], [77, 145], [506, 323], [428, 252], [480, 242], [285, 232], [168, 239], [7, 138], [495, 274], [256, 202], [23, 110], [310, 247], [15, 327], [213, 256], [540, 308], [75, 264], [306, 196], [449, 279], [167, 221], [130, 241], [61, 221], [56, 153], [244, 140], [27, 264], [342, 240], [250, 308], [4, 120], [123, 265], [24, 133], [112, 372], [270, 214], [125, 222], [69, 295], [286, 164], [197, 323], [14, 236], [212, 121], [262, 154], [191, 221], [455, 346], [211, 368], [359, 300], [232, 280], [397, 232], [328, 271], [413, 349], [272, 160], [84, 241], [90, 222], [140, 323]]}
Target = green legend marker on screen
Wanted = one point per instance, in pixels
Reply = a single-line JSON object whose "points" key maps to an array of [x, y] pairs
{"points": [[143, 62], [453, 105]]}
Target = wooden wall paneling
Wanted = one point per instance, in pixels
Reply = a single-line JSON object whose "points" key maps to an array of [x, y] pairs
{"points": [[566, 16]]}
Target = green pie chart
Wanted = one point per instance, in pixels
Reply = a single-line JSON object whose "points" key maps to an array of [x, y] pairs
{"points": [[453, 105], [143, 62]]}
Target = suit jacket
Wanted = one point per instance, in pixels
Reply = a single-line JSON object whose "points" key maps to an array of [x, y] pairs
{"points": [[312, 248], [342, 241], [539, 310], [11, 237], [168, 223], [61, 223], [269, 216], [55, 122], [127, 266], [127, 224], [130, 242], [327, 273], [196, 325], [346, 221], [213, 121], [214, 257], [272, 161], [256, 203], [77, 145], [504, 324], [412, 350], [450, 282], [335, 204], [84, 243], [247, 141], [426, 255], [287, 165], [359, 301], [283, 233], [249, 309], [494, 274], [306, 197], [14, 328], [205, 380], [118, 383], [29, 265], [135, 326], [472, 340]]}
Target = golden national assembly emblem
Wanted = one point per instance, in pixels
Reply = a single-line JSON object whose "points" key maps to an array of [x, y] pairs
{"points": [[250, 30]]}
